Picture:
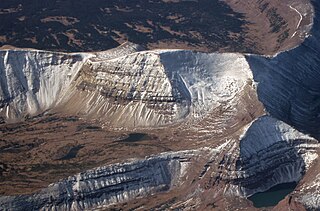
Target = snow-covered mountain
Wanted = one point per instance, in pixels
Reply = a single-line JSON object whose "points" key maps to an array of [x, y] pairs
{"points": [[270, 152], [288, 84], [34, 81], [156, 87], [109, 184], [130, 87]]}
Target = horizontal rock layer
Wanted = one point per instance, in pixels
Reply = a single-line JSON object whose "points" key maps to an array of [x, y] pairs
{"points": [[271, 153], [269, 150], [156, 87], [108, 185]]}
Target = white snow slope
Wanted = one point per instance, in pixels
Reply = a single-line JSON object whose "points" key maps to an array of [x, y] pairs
{"points": [[156, 87]]}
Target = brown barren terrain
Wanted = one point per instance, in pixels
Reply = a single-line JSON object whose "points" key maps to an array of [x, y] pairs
{"points": [[52, 146], [252, 26]]}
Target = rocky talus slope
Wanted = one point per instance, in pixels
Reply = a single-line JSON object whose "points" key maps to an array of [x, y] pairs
{"points": [[157, 87], [33, 81], [111, 184], [250, 147]]}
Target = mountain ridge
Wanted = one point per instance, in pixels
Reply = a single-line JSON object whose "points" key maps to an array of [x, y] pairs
{"points": [[240, 136]]}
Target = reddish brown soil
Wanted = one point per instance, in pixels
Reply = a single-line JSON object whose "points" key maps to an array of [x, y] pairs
{"points": [[272, 24], [251, 26], [32, 152]]}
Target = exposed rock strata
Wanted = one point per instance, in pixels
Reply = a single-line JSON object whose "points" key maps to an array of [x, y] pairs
{"points": [[34, 81], [110, 184], [273, 152], [157, 87], [269, 151], [250, 159], [288, 84]]}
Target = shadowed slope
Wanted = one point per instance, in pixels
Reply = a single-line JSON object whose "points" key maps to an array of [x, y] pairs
{"points": [[288, 84]]}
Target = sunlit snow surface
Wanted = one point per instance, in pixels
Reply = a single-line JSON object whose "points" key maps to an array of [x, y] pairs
{"points": [[177, 83], [186, 85]]}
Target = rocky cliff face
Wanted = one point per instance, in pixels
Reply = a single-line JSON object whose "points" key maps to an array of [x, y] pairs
{"points": [[130, 88], [34, 81], [288, 84], [270, 152], [157, 87], [109, 184], [273, 152]]}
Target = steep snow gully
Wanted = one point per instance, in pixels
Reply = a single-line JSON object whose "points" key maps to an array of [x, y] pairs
{"points": [[164, 87]]}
